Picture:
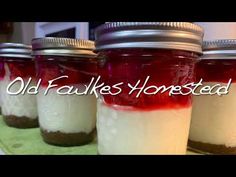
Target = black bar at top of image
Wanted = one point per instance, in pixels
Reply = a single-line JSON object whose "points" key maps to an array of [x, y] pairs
{"points": [[119, 10]]}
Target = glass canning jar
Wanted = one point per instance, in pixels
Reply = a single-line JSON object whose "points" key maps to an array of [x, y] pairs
{"points": [[214, 117], [19, 110], [132, 51], [65, 120]]}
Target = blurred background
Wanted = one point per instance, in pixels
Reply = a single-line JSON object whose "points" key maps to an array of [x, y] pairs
{"points": [[23, 32]]}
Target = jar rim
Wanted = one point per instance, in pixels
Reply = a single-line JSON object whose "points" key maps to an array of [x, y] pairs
{"points": [[219, 49], [15, 50], [62, 46], [169, 35]]}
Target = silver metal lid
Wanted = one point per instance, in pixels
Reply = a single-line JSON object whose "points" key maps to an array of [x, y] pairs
{"points": [[63, 47], [15, 50], [165, 35], [219, 49]]}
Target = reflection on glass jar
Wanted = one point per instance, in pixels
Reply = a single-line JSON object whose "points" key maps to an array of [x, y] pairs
{"points": [[149, 124], [214, 117], [65, 120], [19, 110]]}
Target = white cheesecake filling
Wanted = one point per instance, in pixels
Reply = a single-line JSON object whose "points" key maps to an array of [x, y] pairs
{"points": [[214, 118], [17, 105], [66, 113], [123, 131]]}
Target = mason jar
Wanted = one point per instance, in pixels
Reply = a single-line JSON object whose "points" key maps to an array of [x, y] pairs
{"points": [[133, 51], [214, 117], [65, 119], [17, 71]]}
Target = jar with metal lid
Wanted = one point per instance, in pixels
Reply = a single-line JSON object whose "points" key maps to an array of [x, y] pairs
{"points": [[132, 51], [214, 117], [19, 109], [65, 119]]}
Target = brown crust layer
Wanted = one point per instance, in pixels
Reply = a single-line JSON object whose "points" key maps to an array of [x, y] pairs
{"points": [[20, 122], [211, 148], [67, 139]]}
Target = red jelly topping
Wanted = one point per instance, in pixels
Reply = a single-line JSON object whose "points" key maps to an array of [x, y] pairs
{"points": [[2, 71], [78, 70], [165, 67], [216, 70], [18, 67]]}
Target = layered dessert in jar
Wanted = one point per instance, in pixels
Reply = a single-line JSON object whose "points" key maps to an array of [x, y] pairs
{"points": [[214, 117], [18, 110], [65, 119], [128, 52]]}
